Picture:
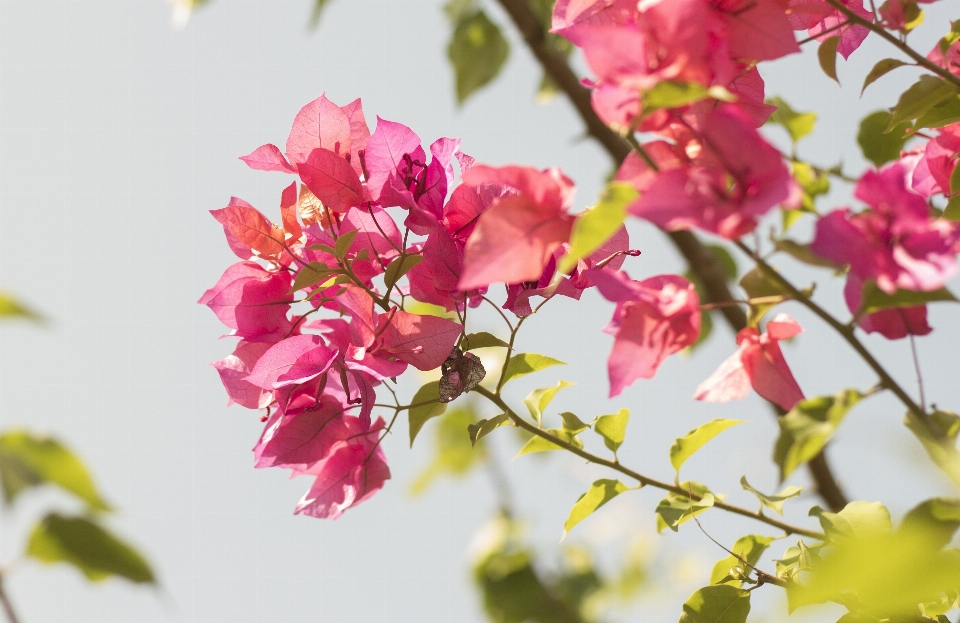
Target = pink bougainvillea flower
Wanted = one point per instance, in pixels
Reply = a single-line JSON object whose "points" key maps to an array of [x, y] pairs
{"points": [[570, 16], [293, 361], [822, 21], [302, 439], [896, 243], [268, 158], [251, 300], [756, 30], [515, 237], [949, 59], [246, 225], [929, 170], [721, 178], [758, 363], [394, 157], [235, 368], [892, 324], [653, 319], [354, 471]]}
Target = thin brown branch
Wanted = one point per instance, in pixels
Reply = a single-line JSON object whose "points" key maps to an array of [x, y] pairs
{"points": [[701, 260]]}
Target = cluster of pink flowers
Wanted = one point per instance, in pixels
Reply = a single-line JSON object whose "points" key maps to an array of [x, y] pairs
{"points": [[372, 221]]}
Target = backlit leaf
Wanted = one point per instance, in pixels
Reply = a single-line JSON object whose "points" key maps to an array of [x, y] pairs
{"points": [[717, 604], [684, 447], [28, 460], [882, 68], [312, 274], [539, 444], [758, 285], [343, 243], [538, 400], [572, 423], [599, 493], [400, 267], [673, 94], [419, 415], [939, 438], [877, 144], [875, 299], [938, 518], [477, 51], [484, 427], [827, 55], [613, 428], [454, 455], [482, 340], [856, 519], [923, 95], [597, 224], [677, 508], [527, 363], [87, 546], [750, 548], [807, 428], [798, 124], [773, 502]]}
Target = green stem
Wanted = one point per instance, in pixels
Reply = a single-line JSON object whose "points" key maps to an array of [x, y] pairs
{"points": [[643, 480], [900, 45]]}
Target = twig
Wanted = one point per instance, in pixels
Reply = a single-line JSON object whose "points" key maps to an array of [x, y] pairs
{"points": [[6, 605]]}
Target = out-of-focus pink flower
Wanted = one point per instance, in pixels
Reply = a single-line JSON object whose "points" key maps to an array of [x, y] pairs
{"points": [[721, 176], [896, 243], [929, 169], [758, 363], [949, 60], [892, 324], [653, 319], [822, 21]]}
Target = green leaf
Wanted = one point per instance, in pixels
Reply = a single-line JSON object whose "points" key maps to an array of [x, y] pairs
{"points": [[613, 428], [798, 124], [807, 428], [773, 502], [400, 267], [726, 261], [827, 55], [875, 299], [28, 460], [484, 427], [87, 546], [882, 68], [538, 400], [539, 444], [802, 253], [343, 244], [676, 509], [939, 439], [750, 548], [684, 447], [955, 180], [527, 363], [926, 93], [758, 285], [938, 518], [11, 308], [717, 604], [597, 224], [419, 415], [877, 143], [942, 114], [477, 51], [572, 423], [318, 6], [673, 94], [482, 340], [312, 274], [599, 493], [952, 211], [857, 519]]}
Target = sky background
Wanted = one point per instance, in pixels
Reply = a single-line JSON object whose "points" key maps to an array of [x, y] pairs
{"points": [[118, 134]]}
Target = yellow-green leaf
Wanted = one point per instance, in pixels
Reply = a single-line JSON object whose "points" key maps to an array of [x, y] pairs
{"points": [[882, 68], [684, 447], [807, 428], [539, 444], [677, 508], [597, 224], [420, 414], [12, 308], [538, 400], [484, 427], [717, 604], [572, 423], [923, 95], [482, 340], [599, 493], [87, 546], [750, 548], [613, 428], [773, 502], [797, 124], [527, 363]]}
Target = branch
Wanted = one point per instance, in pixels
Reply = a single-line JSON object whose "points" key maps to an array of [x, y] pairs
{"points": [[643, 480], [921, 60], [701, 260], [6, 606]]}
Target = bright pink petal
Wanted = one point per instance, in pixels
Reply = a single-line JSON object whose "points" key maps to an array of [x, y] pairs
{"points": [[235, 368], [300, 441], [304, 354], [783, 327], [424, 342], [728, 382], [332, 180], [769, 374], [386, 148], [359, 132], [250, 299], [758, 29], [251, 228], [268, 158], [319, 124]]}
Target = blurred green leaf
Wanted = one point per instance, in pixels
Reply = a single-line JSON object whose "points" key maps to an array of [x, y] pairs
{"points": [[827, 55], [527, 363], [538, 400], [797, 124], [773, 502], [875, 299], [317, 13], [939, 518], [802, 253], [599, 493], [939, 438], [807, 428], [857, 519], [684, 447], [923, 95], [613, 428], [454, 454], [750, 548], [28, 460], [941, 115], [11, 308], [759, 285], [717, 604], [477, 51], [419, 415], [87, 546], [597, 224], [878, 144], [882, 68]]}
